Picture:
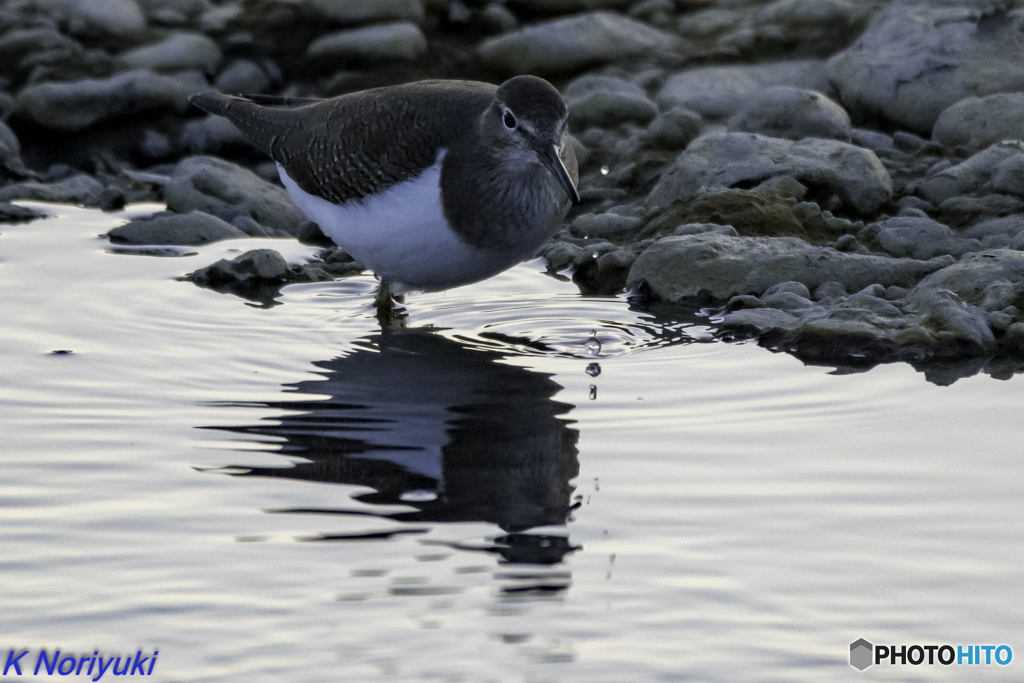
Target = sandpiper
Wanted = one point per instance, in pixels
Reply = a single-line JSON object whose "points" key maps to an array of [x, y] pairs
{"points": [[432, 184]]}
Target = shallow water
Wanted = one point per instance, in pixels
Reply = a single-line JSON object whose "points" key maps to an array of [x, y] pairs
{"points": [[285, 493]]}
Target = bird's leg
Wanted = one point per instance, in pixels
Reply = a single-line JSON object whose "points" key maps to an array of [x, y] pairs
{"points": [[390, 312]]}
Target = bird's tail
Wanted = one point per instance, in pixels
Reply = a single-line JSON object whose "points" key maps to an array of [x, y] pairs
{"points": [[266, 127]]}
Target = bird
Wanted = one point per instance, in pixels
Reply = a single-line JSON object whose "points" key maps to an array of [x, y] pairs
{"points": [[431, 184]]}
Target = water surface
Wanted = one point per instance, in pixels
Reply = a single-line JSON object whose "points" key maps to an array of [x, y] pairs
{"points": [[287, 493]]}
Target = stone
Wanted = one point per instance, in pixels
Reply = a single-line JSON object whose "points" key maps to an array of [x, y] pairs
{"points": [[257, 275], [873, 140], [22, 48], [604, 102], [11, 164], [12, 213], [918, 58], [212, 134], [673, 129], [80, 189], [575, 43], [720, 266], [810, 26], [920, 238], [121, 18], [961, 212], [1009, 176], [367, 11], [76, 106], [496, 18], [717, 92], [970, 176], [192, 228], [977, 122], [174, 12], [783, 111], [225, 190], [242, 77], [605, 225], [854, 174], [397, 41], [567, 6], [178, 52]]}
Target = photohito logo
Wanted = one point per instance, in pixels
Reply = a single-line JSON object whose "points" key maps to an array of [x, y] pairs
{"points": [[863, 654]]}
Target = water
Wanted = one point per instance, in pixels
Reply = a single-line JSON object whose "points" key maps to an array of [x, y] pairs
{"points": [[285, 493]]}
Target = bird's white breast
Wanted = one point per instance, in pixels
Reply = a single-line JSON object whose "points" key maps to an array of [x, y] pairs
{"points": [[402, 233]]}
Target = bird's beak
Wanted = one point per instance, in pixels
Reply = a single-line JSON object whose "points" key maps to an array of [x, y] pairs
{"points": [[554, 163]]}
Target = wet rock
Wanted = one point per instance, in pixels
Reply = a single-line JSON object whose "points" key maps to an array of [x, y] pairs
{"points": [[606, 225], [79, 189], [852, 173], [604, 101], [256, 275], [606, 274], [398, 41], [566, 6], [673, 129], [367, 11], [496, 18], [23, 49], [575, 43], [224, 190], [719, 266], [174, 12], [918, 58], [242, 77], [192, 228], [808, 26], [11, 165], [717, 92], [178, 52], [76, 106], [977, 122], [1009, 176], [969, 176], [212, 134], [919, 238], [990, 280], [12, 213], [155, 146], [794, 113]]}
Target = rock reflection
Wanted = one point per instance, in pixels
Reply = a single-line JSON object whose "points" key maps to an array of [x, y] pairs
{"points": [[432, 425]]}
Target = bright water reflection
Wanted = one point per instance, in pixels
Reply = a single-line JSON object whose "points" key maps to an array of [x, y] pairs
{"points": [[288, 494]]}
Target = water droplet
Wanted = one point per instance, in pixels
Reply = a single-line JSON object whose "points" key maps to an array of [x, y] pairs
{"points": [[419, 496], [594, 369], [593, 345], [593, 392], [604, 170]]}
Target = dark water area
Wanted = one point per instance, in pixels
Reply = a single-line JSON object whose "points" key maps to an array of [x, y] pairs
{"points": [[287, 492]]}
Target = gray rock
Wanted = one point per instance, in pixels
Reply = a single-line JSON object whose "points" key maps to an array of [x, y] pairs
{"points": [[78, 105], [1009, 176], [497, 18], [680, 268], [567, 6], [717, 92], [787, 112], [12, 213], [174, 12], [817, 26], [222, 189], [367, 11], [873, 140], [977, 122], [1006, 227], [177, 52], [605, 225], [604, 102], [397, 41], [79, 189], [121, 18], [854, 174], [155, 146], [918, 58], [961, 212], [21, 49], [11, 164], [242, 77], [212, 134], [710, 22], [970, 176], [673, 129], [990, 280], [576, 43], [192, 228], [921, 238], [256, 275]]}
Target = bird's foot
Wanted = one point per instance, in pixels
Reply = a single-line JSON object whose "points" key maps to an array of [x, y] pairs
{"points": [[391, 314]]}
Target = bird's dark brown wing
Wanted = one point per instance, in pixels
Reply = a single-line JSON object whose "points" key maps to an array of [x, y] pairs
{"points": [[356, 145]]}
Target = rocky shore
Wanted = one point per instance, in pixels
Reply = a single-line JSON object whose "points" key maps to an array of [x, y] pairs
{"points": [[841, 179]]}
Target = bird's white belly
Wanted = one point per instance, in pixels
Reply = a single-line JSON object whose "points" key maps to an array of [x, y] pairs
{"points": [[402, 234]]}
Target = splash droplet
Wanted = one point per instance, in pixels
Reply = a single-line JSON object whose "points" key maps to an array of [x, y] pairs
{"points": [[604, 170], [594, 369], [593, 392], [593, 345]]}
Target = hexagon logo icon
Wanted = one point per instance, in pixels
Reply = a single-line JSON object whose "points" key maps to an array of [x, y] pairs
{"points": [[861, 652]]}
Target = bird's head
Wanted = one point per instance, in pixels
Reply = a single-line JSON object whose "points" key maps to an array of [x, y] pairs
{"points": [[528, 120]]}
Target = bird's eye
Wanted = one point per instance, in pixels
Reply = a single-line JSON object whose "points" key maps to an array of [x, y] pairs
{"points": [[510, 121]]}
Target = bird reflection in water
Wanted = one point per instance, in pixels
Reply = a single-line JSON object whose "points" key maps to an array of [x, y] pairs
{"points": [[432, 425]]}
